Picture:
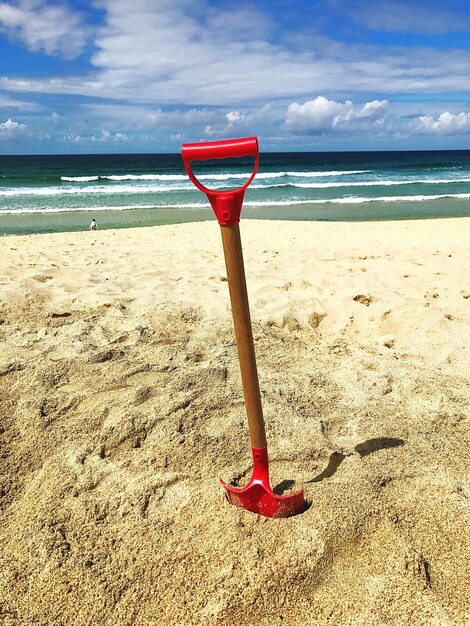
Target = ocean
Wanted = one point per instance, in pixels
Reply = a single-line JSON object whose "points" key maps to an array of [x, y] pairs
{"points": [[63, 193]]}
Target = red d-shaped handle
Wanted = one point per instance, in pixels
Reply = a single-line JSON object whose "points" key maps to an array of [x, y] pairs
{"points": [[227, 205], [247, 146]]}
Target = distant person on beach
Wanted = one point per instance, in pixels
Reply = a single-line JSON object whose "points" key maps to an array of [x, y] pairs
{"points": [[93, 225]]}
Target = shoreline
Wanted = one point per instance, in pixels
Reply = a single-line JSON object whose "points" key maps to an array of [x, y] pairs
{"points": [[76, 221], [210, 218]]}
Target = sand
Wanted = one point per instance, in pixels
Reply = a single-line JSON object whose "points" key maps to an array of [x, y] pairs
{"points": [[121, 405]]}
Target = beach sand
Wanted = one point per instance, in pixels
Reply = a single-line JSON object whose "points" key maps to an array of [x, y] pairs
{"points": [[121, 405]]}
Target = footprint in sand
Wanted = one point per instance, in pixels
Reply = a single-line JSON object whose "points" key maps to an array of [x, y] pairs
{"points": [[363, 299], [315, 319], [42, 278], [142, 395]]}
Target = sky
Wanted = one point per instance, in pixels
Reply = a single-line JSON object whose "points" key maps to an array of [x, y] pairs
{"points": [[117, 76]]}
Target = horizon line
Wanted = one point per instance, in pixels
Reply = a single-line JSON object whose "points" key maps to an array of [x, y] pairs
{"points": [[67, 154]]}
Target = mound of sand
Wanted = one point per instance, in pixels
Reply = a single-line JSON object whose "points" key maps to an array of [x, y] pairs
{"points": [[121, 405]]}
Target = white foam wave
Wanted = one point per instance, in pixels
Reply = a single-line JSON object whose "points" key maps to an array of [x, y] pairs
{"points": [[383, 183], [254, 204], [359, 200], [96, 209], [129, 189], [121, 177], [163, 177], [418, 198], [186, 185], [79, 179], [269, 175], [321, 174], [95, 189], [222, 176]]}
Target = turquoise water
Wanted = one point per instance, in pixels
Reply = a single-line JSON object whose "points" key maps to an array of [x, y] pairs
{"points": [[54, 193]]}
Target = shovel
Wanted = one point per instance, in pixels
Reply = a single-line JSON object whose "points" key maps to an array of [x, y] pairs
{"points": [[257, 496]]}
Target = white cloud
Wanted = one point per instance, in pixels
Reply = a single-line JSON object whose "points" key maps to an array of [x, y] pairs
{"points": [[235, 117], [445, 124], [315, 115], [11, 103], [373, 110], [74, 138], [10, 128], [187, 68], [246, 23], [403, 17], [234, 121], [322, 115], [134, 117], [104, 137], [176, 53], [53, 29]]}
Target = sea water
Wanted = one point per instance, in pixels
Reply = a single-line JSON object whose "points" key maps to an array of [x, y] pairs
{"points": [[56, 193]]}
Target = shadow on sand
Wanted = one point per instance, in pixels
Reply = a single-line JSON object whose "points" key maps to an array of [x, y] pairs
{"points": [[363, 449], [336, 458]]}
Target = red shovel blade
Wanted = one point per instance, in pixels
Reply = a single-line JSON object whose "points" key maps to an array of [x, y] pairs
{"points": [[258, 497]]}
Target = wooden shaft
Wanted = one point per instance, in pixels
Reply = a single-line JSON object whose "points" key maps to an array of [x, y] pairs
{"points": [[243, 333]]}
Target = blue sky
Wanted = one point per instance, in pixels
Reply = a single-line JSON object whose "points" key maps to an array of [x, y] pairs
{"points": [[147, 75]]}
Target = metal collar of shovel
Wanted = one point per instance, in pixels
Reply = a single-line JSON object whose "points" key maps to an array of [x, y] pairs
{"points": [[257, 496]]}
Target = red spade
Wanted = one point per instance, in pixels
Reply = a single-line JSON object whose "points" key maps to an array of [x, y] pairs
{"points": [[257, 496]]}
